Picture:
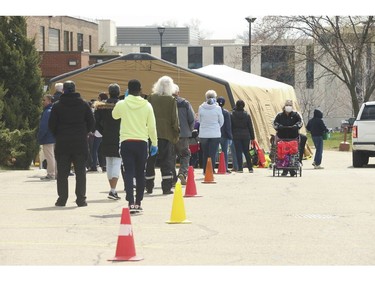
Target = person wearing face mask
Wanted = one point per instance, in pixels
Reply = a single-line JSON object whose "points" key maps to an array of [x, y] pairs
{"points": [[287, 124]]}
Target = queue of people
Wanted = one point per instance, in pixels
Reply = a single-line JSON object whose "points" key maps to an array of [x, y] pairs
{"points": [[139, 132]]}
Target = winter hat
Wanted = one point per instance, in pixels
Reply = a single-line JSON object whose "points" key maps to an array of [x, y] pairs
{"points": [[221, 101]]}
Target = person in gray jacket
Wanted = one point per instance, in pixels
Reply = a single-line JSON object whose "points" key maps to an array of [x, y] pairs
{"points": [[186, 120]]}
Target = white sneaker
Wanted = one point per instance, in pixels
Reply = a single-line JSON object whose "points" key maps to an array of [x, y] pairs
{"points": [[313, 163], [318, 167]]}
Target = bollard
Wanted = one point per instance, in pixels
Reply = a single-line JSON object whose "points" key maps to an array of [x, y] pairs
{"points": [[344, 145]]}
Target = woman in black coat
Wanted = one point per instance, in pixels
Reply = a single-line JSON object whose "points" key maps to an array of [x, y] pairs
{"points": [[243, 133], [110, 128]]}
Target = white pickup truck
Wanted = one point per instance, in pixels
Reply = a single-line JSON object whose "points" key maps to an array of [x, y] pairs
{"points": [[363, 135]]}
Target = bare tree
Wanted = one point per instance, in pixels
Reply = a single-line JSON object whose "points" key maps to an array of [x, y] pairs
{"points": [[343, 48], [195, 24]]}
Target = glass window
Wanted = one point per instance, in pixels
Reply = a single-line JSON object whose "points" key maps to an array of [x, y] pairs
{"points": [[245, 59], [169, 54], [310, 67], [53, 39], [66, 41], [42, 39], [278, 63], [79, 42], [71, 41], [218, 55], [194, 57], [146, 50], [368, 112]]}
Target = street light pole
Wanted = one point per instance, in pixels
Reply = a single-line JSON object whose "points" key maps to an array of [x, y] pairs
{"points": [[161, 30], [250, 20]]}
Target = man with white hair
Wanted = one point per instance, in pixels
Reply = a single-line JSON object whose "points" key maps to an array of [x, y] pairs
{"points": [[167, 126], [58, 92]]}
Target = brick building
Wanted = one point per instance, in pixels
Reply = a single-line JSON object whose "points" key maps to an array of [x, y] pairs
{"points": [[63, 42]]}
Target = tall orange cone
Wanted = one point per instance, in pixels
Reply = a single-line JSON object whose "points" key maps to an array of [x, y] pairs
{"points": [[125, 250], [208, 175], [222, 167], [191, 189], [178, 208]]}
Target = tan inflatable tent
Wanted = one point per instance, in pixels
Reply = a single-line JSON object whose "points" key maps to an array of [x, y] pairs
{"points": [[264, 97]]}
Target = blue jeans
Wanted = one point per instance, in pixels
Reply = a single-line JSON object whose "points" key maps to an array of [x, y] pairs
{"points": [[318, 143], [209, 149], [234, 156], [134, 156], [224, 148], [242, 147], [95, 152]]}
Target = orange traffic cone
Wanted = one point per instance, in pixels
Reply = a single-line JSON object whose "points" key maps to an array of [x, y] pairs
{"points": [[191, 189], [208, 175], [178, 208], [222, 167], [125, 250]]}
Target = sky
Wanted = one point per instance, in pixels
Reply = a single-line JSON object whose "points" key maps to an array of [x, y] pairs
{"points": [[218, 19]]}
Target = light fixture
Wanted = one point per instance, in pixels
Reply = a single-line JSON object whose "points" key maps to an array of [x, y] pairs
{"points": [[161, 30], [250, 20]]}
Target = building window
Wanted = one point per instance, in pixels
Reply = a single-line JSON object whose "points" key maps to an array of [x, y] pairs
{"points": [[146, 50], [71, 41], [42, 38], [245, 59], [218, 55], [53, 39], [194, 57], [278, 63], [66, 41], [169, 54], [310, 67], [79, 42], [90, 46]]}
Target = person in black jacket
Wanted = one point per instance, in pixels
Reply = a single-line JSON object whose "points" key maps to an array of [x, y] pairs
{"points": [[287, 124], [243, 133], [70, 122], [317, 128], [109, 128], [226, 131]]}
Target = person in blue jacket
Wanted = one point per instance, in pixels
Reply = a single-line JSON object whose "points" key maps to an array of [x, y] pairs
{"points": [[226, 131], [317, 128], [46, 138]]}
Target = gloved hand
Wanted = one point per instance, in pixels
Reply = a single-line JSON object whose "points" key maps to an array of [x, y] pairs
{"points": [[153, 150]]}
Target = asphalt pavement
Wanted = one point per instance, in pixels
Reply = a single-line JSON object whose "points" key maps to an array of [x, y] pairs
{"points": [[323, 218]]}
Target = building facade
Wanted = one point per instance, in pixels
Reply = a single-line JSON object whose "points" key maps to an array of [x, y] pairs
{"points": [[64, 43], [63, 34], [68, 43]]}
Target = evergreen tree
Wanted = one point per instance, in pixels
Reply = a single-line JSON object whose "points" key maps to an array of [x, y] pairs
{"points": [[22, 89]]}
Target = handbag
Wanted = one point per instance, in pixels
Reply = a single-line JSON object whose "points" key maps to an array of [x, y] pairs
{"points": [[261, 161], [326, 136], [254, 155]]}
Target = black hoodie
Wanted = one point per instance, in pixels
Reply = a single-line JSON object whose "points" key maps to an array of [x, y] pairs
{"points": [[316, 125], [242, 126], [70, 121]]}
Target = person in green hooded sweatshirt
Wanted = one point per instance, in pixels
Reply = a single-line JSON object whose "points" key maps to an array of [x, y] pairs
{"points": [[137, 126]]}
